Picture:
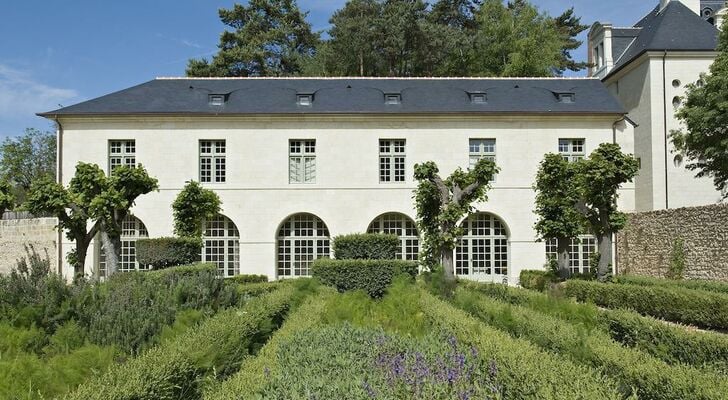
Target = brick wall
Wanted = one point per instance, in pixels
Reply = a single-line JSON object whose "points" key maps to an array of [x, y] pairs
{"points": [[646, 245], [14, 234]]}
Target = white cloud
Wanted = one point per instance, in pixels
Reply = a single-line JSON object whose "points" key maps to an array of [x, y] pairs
{"points": [[21, 95]]}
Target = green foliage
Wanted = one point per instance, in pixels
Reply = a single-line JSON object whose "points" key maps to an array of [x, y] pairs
{"points": [[269, 38], [192, 206], [697, 284], [7, 198], [694, 307], [556, 195], [168, 252], [366, 246], [177, 368], [651, 378], [672, 344], [14, 340], [676, 270], [536, 280], [67, 338], [247, 278], [704, 141], [25, 159], [372, 276], [525, 371]]}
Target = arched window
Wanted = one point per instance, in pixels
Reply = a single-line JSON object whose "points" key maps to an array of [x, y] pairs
{"points": [[402, 226], [132, 228], [483, 248], [581, 251], [301, 239], [222, 245]]}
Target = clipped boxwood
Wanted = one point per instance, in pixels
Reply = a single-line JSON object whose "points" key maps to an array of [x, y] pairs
{"points": [[168, 251], [372, 276], [247, 279], [692, 307], [366, 246], [696, 284], [535, 280]]}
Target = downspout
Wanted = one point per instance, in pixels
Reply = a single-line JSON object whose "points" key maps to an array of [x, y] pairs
{"points": [[664, 123], [59, 179]]}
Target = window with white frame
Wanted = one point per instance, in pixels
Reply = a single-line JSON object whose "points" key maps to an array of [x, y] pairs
{"points": [[392, 160], [221, 245], [302, 238], [483, 248], [212, 161], [132, 229], [581, 250], [302, 161], [572, 149], [122, 152], [402, 226], [481, 149]]}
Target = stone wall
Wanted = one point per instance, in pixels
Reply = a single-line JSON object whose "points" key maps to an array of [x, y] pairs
{"points": [[646, 245], [16, 233]]}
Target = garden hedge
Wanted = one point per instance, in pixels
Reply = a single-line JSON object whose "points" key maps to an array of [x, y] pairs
{"points": [[366, 246], [650, 377], [535, 280], [672, 344], [696, 284], [687, 306], [372, 276], [526, 371], [167, 252], [247, 279], [175, 369]]}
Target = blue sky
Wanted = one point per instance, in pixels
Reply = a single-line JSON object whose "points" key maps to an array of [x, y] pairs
{"points": [[64, 52]]}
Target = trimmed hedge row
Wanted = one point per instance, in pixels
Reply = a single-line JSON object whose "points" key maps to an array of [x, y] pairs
{"points": [[693, 307], [652, 378], [254, 372], [535, 280], [695, 284], [168, 251], [372, 276], [366, 246], [672, 344], [247, 279], [524, 370], [175, 369]]}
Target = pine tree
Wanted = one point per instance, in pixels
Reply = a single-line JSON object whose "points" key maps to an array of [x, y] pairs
{"points": [[569, 26]]}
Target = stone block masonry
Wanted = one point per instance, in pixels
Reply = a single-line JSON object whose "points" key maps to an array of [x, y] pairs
{"points": [[15, 234], [646, 245]]}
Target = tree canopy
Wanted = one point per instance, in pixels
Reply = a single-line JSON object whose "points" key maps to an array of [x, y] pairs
{"points": [[704, 141], [396, 38], [27, 158], [193, 205]]}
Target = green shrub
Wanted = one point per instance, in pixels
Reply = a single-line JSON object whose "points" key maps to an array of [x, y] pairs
{"points": [[372, 276], [366, 246], [676, 270], [14, 340], [215, 349], [652, 378], [525, 371], [247, 291], [67, 338], [247, 279], [694, 307], [536, 280], [672, 344], [167, 252], [696, 284]]}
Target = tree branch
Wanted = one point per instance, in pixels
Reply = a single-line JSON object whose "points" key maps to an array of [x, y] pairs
{"points": [[444, 190]]}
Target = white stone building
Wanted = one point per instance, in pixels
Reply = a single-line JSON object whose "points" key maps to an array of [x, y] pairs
{"points": [[299, 161]]}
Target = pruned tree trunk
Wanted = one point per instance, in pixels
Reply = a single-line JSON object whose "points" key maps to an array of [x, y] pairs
{"points": [[81, 250], [448, 264], [112, 250], [604, 246], [562, 256]]}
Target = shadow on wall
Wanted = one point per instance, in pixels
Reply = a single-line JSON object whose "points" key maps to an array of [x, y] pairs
{"points": [[17, 233]]}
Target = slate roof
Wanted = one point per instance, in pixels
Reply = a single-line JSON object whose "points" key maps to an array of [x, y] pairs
{"points": [[247, 96], [675, 28]]}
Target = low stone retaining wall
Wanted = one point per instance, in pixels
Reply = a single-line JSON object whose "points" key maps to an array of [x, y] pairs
{"points": [[648, 243], [16, 234]]}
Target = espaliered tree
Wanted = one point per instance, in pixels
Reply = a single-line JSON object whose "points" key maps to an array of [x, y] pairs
{"points": [[442, 203], [92, 203], [193, 205], [556, 195], [598, 178]]}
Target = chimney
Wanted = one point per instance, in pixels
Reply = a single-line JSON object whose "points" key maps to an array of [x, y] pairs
{"points": [[691, 4]]}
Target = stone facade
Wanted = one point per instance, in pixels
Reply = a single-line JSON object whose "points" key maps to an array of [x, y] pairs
{"points": [[17, 233], [645, 246]]}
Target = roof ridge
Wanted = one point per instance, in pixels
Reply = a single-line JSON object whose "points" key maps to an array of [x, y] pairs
{"points": [[372, 78]]}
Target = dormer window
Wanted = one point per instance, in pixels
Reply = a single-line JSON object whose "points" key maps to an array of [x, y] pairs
{"points": [[305, 99], [393, 98], [566, 97], [478, 98], [216, 99]]}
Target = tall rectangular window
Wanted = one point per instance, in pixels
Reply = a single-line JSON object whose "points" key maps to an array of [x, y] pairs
{"points": [[122, 152], [391, 160], [481, 148], [302, 161], [572, 149], [212, 161], [581, 251]]}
